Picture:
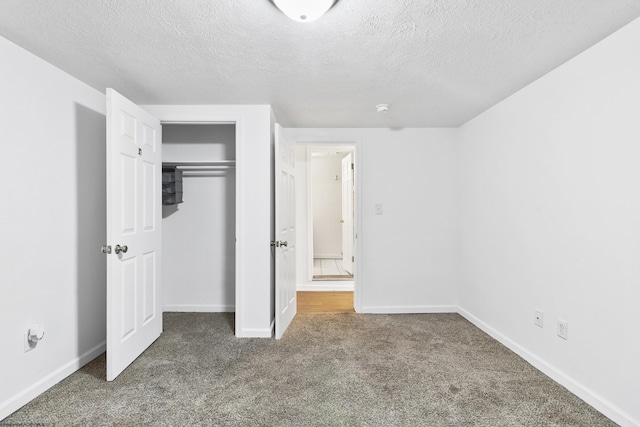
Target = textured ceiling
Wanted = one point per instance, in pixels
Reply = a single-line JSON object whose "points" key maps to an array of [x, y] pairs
{"points": [[437, 62]]}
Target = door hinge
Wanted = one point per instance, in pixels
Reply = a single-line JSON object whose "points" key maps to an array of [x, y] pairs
{"points": [[351, 166], [353, 259], [106, 249]]}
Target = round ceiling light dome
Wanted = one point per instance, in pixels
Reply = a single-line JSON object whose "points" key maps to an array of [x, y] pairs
{"points": [[304, 10], [383, 108]]}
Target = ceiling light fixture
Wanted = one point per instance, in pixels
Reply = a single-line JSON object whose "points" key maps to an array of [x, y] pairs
{"points": [[304, 10], [383, 108]]}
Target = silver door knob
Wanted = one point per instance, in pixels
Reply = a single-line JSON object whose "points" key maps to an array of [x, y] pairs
{"points": [[122, 249], [285, 243]]}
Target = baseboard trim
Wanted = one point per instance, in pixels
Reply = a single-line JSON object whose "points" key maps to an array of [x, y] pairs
{"points": [[256, 332], [199, 308], [326, 286], [417, 309], [28, 394], [594, 399], [330, 256]]}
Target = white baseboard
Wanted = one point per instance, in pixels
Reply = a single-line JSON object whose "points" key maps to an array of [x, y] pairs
{"points": [[423, 309], [330, 256], [199, 308], [255, 332], [326, 286], [25, 396], [594, 399]]}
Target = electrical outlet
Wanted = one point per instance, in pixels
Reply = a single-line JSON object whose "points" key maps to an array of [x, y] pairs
{"points": [[563, 326], [539, 318]]}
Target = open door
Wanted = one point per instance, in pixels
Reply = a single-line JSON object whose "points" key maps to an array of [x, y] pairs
{"points": [[285, 243], [134, 173], [347, 213]]}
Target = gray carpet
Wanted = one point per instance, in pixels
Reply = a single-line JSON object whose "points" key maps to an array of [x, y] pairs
{"points": [[328, 370]]}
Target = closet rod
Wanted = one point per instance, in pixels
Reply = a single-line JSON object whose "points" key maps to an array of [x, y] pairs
{"points": [[199, 164]]}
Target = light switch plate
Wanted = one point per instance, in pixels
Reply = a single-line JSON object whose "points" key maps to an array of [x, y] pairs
{"points": [[539, 318]]}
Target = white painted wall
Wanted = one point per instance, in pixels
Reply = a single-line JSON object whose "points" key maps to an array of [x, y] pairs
{"points": [[253, 205], [327, 206], [549, 193], [303, 268], [198, 235], [52, 224], [408, 255]]}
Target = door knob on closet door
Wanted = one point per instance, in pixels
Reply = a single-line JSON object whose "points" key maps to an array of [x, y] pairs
{"points": [[285, 243], [122, 249]]}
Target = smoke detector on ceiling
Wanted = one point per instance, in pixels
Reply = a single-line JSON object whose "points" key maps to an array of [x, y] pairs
{"points": [[383, 108], [304, 10]]}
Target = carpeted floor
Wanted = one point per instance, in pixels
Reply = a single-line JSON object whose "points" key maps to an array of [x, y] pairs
{"points": [[328, 370]]}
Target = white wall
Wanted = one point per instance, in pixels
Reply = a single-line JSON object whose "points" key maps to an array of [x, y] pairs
{"points": [[408, 255], [198, 235], [254, 313], [52, 224], [327, 206], [549, 192], [303, 257]]}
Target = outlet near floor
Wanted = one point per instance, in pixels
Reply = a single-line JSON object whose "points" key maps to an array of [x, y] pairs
{"points": [[562, 328]]}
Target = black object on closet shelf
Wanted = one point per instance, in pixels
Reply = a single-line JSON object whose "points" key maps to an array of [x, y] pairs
{"points": [[171, 186]]}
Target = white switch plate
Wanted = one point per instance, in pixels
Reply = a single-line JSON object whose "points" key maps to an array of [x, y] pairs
{"points": [[379, 209], [539, 318]]}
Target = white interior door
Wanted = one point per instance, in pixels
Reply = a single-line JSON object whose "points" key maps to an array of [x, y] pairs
{"points": [[347, 213], [134, 174], [285, 243]]}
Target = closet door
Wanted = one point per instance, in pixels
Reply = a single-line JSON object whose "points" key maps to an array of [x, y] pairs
{"points": [[285, 244], [134, 173]]}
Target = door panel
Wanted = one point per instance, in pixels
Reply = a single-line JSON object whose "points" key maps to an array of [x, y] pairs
{"points": [[149, 287], [149, 194], [134, 294], [285, 243]]}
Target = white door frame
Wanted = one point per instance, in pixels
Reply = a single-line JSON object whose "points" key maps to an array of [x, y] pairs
{"points": [[320, 143], [238, 121]]}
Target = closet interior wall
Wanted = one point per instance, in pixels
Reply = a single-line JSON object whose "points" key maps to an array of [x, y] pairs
{"points": [[199, 234]]}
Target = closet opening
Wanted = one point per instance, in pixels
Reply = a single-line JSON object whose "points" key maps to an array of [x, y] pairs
{"points": [[198, 237]]}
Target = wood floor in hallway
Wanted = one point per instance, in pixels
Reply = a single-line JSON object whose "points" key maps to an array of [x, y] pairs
{"points": [[325, 302]]}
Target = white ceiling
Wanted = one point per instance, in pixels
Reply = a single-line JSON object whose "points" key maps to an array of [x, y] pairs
{"points": [[437, 62]]}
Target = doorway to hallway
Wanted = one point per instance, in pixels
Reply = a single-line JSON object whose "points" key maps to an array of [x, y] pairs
{"points": [[331, 211]]}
